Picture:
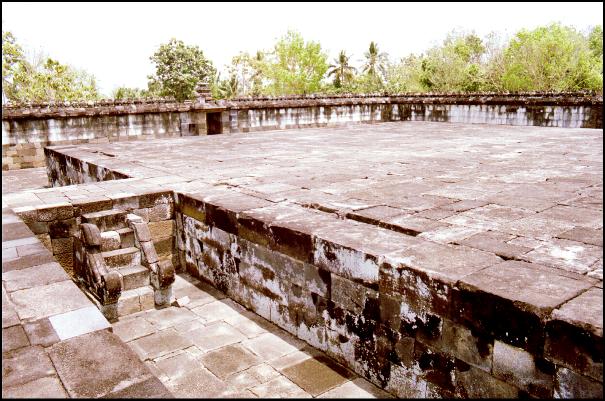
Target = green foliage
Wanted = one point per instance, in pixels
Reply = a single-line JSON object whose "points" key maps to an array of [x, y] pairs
{"points": [[553, 57], [294, 66], [342, 71], [131, 93], [179, 68], [47, 80]]}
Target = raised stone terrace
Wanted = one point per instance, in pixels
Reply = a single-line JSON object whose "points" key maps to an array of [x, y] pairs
{"points": [[433, 259]]}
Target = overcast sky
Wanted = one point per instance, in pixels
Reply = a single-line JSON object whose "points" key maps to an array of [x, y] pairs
{"points": [[114, 41]]}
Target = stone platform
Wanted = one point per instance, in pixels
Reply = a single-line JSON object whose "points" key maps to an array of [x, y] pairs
{"points": [[434, 259]]}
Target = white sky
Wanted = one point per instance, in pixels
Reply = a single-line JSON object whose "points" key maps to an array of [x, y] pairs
{"points": [[114, 41]]}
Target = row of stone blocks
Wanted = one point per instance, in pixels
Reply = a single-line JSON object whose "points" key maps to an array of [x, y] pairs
{"points": [[414, 331]]}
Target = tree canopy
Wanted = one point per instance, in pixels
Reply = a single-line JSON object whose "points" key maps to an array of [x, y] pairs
{"points": [[178, 70], [552, 58], [41, 80]]}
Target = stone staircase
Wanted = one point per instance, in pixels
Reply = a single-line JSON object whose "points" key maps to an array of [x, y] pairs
{"points": [[116, 262]]}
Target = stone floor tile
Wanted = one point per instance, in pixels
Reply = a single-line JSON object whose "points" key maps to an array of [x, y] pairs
{"points": [[290, 359], [9, 315], [45, 387], [251, 377], [36, 303], [95, 364], [28, 261], [170, 316], [197, 383], [41, 332], [215, 336], [34, 276], [358, 388], [133, 328], [280, 387], [149, 388], [24, 365], [14, 337], [228, 360], [237, 394], [188, 326], [249, 323], [177, 366], [217, 310], [270, 346], [160, 343], [317, 375], [78, 322]]}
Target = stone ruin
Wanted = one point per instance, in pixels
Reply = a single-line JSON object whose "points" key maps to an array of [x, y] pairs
{"points": [[432, 259]]}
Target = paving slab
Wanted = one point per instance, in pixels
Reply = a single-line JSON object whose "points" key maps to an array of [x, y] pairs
{"points": [[215, 336], [228, 360], [24, 365], [317, 375], [44, 387], [160, 343], [78, 322], [41, 332], [96, 364], [38, 302], [14, 337], [34, 276]]}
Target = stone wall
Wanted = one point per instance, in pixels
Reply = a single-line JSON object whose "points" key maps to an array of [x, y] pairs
{"points": [[27, 130], [334, 285]]}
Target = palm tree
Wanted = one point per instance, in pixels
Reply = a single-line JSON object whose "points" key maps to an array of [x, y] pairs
{"points": [[376, 61], [341, 69]]}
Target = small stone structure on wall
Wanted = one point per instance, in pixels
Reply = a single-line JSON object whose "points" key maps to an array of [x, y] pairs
{"points": [[27, 129]]}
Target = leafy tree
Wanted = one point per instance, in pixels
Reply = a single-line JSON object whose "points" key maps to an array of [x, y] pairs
{"points": [[41, 80], [456, 65], [179, 68], [342, 71], [553, 57], [294, 66], [376, 61]]}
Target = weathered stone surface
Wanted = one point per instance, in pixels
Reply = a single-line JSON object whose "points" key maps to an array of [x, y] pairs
{"points": [[518, 367], [496, 243], [73, 358], [574, 338], [228, 360], [566, 255], [215, 336], [24, 365], [13, 338], [525, 292], [38, 302], [33, 276], [584, 234], [571, 385], [270, 346], [41, 332], [78, 322], [160, 343], [45, 387], [317, 376]]}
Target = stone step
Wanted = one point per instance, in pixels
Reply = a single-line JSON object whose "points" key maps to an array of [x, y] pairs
{"points": [[126, 237], [123, 257], [110, 241], [134, 277], [107, 220], [135, 300]]}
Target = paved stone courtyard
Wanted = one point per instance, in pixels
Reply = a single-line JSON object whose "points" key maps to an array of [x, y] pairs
{"points": [[213, 347], [526, 193]]}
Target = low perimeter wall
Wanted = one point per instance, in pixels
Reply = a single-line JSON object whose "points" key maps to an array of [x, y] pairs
{"points": [[27, 130]]}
